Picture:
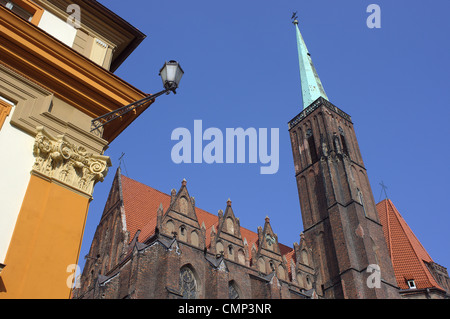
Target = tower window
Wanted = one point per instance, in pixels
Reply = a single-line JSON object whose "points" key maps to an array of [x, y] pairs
{"points": [[361, 201], [312, 146], [343, 142]]}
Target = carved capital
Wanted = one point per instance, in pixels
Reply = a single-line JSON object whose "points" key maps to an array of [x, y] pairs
{"points": [[60, 160]]}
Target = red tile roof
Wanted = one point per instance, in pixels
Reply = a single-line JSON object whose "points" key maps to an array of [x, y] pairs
{"points": [[407, 253], [141, 203]]}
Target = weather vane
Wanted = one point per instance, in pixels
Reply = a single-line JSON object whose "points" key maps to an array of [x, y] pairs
{"points": [[294, 16]]}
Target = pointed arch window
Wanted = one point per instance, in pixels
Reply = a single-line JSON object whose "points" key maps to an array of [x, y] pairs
{"points": [[361, 201], [230, 225], [343, 142], [230, 251], [312, 146], [188, 284], [232, 291]]}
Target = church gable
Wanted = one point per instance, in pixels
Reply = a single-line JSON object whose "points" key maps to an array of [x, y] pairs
{"points": [[115, 194], [302, 264], [268, 240], [181, 204], [180, 219], [227, 241], [268, 258]]}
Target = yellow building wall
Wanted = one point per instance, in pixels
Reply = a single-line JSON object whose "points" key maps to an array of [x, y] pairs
{"points": [[46, 240]]}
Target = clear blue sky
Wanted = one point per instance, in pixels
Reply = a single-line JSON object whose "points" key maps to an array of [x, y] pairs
{"points": [[241, 70]]}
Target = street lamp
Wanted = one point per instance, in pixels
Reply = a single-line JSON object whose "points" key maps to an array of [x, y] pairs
{"points": [[170, 73]]}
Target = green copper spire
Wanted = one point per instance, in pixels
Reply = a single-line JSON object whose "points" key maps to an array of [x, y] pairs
{"points": [[312, 88]]}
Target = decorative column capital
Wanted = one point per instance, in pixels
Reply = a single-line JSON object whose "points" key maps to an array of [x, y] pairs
{"points": [[69, 164]]}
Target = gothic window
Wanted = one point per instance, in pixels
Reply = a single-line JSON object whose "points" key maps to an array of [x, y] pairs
{"points": [[194, 239], [300, 279], [270, 241], [272, 267], [183, 202], [230, 225], [219, 248], [188, 284], [170, 227], [344, 144], [304, 256], [308, 283], [261, 265], [230, 251], [183, 235], [232, 291], [361, 201], [241, 257], [281, 273], [312, 146]]}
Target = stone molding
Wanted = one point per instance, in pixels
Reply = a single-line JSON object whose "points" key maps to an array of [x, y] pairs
{"points": [[69, 164]]}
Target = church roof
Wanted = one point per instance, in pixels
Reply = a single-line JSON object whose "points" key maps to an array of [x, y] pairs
{"points": [[409, 257], [141, 203]]}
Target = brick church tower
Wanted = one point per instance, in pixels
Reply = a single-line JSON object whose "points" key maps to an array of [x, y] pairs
{"points": [[340, 220]]}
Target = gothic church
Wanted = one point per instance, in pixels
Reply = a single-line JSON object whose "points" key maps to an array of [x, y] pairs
{"points": [[149, 244]]}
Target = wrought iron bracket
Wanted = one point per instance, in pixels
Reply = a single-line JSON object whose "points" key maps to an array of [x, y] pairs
{"points": [[108, 117]]}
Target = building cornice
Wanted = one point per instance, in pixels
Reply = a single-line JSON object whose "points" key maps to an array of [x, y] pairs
{"points": [[41, 58]]}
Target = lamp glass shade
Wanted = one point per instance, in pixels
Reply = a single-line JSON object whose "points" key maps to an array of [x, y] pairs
{"points": [[171, 74]]}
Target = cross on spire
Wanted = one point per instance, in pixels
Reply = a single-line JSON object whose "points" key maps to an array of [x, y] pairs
{"points": [[122, 160], [383, 188]]}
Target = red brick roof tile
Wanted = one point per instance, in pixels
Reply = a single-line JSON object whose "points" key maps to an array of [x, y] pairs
{"points": [[408, 256], [407, 253]]}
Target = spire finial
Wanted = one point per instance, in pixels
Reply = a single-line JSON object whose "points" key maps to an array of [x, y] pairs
{"points": [[311, 85]]}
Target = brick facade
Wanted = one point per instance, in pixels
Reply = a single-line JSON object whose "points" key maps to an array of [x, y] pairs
{"points": [[152, 245], [340, 220], [225, 259]]}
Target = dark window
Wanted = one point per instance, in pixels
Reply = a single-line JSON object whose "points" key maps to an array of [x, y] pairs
{"points": [[232, 291], [17, 9], [312, 149], [361, 201], [344, 145], [343, 142], [188, 285]]}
